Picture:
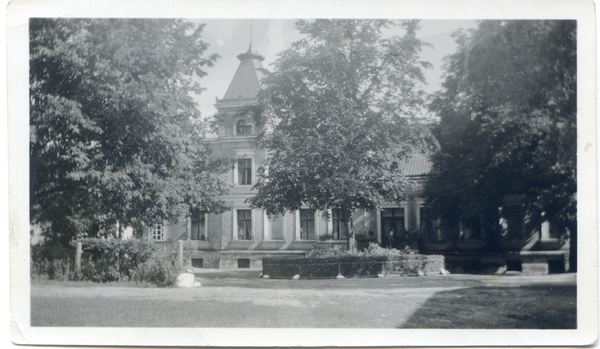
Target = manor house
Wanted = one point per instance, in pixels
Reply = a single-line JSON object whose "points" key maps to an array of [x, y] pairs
{"points": [[241, 236]]}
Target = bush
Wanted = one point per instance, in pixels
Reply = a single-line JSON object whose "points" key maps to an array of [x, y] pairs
{"points": [[376, 250], [372, 250], [334, 251], [114, 259], [58, 269], [323, 267], [331, 261], [161, 271], [106, 260]]}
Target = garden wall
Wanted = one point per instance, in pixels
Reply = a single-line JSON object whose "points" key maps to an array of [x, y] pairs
{"points": [[350, 266]]}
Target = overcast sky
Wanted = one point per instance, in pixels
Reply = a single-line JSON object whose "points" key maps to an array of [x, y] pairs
{"points": [[230, 37]]}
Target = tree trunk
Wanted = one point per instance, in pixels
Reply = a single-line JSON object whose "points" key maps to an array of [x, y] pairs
{"points": [[350, 237], [118, 230]]}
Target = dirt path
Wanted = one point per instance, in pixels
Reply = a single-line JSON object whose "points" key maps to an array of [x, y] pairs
{"points": [[248, 287]]}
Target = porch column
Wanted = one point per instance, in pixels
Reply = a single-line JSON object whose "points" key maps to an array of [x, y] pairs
{"points": [[297, 225], [330, 223], [317, 225], [266, 224], [188, 228], [254, 227], [378, 220], [545, 230]]}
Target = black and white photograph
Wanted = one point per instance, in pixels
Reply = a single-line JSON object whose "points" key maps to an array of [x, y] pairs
{"points": [[191, 179]]}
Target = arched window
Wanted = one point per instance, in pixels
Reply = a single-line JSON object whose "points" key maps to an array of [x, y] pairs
{"points": [[243, 128]]}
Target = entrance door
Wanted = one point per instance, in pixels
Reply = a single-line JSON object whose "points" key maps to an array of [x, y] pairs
{"points": [[392, 223]]}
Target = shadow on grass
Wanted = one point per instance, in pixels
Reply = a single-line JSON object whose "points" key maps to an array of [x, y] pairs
{"points": [[525, 307]]}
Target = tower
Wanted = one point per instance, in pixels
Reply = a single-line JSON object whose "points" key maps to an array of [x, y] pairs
{"points": [[241, 228], [242, 93]]}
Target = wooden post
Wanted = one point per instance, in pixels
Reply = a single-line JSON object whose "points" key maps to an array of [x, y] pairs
{"points": [[78, 249], [180, 254], [188, 228]]}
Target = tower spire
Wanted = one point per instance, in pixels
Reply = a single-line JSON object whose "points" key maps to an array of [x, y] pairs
{"points": [[250, 47]]}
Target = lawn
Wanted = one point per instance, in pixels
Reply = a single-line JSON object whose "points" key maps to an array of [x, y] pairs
{"points": [[244, 300], [539, 307]]}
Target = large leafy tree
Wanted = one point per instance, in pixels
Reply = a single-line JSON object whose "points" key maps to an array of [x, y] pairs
{"points": [[508, 124], [342, 105], [115, 133]]}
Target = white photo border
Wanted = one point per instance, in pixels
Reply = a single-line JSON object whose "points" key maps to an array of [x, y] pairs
{"points": [[18, 14]]}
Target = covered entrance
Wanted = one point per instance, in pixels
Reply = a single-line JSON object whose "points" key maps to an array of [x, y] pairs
{"points": [[392, 226]]}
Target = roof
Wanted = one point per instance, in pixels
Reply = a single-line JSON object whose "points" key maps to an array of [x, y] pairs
{"points": [[246, 81], [416, 165]]}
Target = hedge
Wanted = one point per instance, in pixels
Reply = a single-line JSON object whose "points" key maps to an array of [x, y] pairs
{"points": [[323, 267], [106, 260], [411, 264], [350, 266]]}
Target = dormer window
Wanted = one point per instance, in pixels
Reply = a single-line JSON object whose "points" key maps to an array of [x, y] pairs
{"points": [[243, 128]]}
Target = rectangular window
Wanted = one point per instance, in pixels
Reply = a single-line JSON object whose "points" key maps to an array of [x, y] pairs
{"points": [[514, 266], [244, 224], [158, 233], [198, 226], [307, 224], [428, 224], [512, 214], [392, 226], [197, 263], [471, 228], [392, 212], [393, 219], [245, 171], [340, 229], [243, 263]]}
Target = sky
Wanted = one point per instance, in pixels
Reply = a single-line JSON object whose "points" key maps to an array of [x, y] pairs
{"points": [[230, 37]]}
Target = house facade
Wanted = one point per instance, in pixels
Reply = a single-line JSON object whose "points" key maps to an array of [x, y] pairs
{"points": [[241, 236]]}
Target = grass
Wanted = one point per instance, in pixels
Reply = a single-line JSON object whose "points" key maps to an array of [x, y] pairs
{"points": [[530, 307], [67, 283], [153, 313], [244, 300]]}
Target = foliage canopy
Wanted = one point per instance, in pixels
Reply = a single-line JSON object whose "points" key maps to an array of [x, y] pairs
{"points": [[343, 105], [508, 123], [115, 133]]}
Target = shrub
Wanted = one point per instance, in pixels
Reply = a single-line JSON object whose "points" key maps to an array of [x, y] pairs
{"points": [[114, 259], [58, 269], [376, 250], [161, 271], [372, 250], [328, 262], [323, 267], [106, 260], [334, 251]]}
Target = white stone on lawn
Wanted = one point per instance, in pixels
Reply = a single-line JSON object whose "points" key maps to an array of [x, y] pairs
{"points": [[420, 272], [340, 276], [265, 276], [296, 277], [185, 280], [197, 284], [444, 271]]}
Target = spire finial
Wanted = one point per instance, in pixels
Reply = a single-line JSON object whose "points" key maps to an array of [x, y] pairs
{"points": [[250, 48]]}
